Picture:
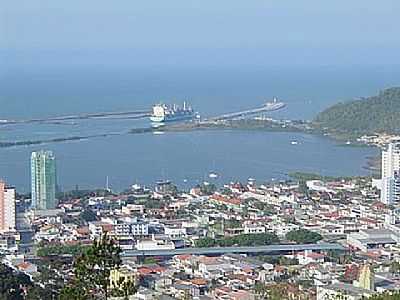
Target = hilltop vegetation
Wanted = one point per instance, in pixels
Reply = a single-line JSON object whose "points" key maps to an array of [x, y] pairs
{"points": [[376, 114]]}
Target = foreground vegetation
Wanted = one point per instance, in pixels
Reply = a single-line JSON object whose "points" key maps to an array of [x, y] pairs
{"points": [[90, 278], [74, 250], [18, 286], [91, 273]]}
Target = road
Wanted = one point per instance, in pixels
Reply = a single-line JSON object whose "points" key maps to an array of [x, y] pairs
{"points": [[237, 250]]}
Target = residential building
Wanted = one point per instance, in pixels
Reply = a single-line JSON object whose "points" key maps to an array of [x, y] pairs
{"points": [[390, 185], [43, 176], [130, 227], [7, 208], [366, 278], [122, 275], [370, 239], [254, 228]]}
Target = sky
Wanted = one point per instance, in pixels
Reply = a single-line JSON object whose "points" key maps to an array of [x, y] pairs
{"points": [[199, 32]]}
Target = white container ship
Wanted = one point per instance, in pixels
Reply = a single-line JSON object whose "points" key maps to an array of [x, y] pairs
{"points": [[168, 113]]}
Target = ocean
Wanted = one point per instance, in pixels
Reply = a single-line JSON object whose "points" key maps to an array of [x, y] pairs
{"points": [[185, 158]]}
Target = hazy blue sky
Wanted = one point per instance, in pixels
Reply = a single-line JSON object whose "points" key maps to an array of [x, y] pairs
{"points": [[211, 32]]}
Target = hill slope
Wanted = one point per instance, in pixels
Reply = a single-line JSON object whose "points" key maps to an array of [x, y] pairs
{"points": [[379, 113]]}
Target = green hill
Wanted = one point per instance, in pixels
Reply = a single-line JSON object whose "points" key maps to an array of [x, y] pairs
{"points": [[374, 114]]}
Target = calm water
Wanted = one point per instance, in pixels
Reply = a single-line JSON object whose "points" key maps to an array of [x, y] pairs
{"points": [[186, 158]]}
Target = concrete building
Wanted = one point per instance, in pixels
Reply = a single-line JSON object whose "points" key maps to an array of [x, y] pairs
{"points": [[254, 229], [121, 276], [371, 239], [130, 227], [7, 208], [43, 176], [366, 279], [8, 242], [155, 244], [175, 231], [390, 185]]}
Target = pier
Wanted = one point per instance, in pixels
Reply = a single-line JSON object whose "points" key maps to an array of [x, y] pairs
{"points": [[134, 114], [269, 106]]}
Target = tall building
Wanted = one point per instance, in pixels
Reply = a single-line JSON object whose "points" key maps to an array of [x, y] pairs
{"points": [[43, 174], [7, 208], [390, 185]]}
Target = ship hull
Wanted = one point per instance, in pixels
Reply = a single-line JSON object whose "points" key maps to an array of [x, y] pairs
{"points": [[157, 119]]}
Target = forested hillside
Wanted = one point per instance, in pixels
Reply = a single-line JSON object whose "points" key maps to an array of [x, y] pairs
{"points": [[379, 113]]}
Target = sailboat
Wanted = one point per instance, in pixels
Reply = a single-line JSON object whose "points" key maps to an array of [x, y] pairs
{"points": [[213, 174]]}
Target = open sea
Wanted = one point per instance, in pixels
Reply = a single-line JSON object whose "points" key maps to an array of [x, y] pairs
{"points": [[185, 158]]}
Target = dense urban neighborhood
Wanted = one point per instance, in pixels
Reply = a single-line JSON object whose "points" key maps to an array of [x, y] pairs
{"points": [[308, 237]]}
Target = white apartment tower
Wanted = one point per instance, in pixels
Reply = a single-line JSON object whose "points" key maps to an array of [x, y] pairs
{"points": [[7, 208], [390, 188]]}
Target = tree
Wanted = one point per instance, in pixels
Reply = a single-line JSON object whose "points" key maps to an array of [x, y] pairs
{"points": [[60, 249], [303, 188], [385, 296], [92, 270], [303, 236], [11, 283], [13, 286], [261, 291], [395, 267], [125, 289], [75, 290], [88, 215], [205, 242], [378, 113], [208, 189], [271, 292]]}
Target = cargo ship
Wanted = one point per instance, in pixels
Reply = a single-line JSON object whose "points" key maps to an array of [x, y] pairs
{"points": [[168, 113]]}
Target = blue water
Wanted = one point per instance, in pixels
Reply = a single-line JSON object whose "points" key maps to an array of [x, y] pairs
{"points": [[189, 157]]}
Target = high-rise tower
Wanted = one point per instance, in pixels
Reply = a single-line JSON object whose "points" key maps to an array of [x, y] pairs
{"points": [[7, 208], [390, 188], [43, 174]]}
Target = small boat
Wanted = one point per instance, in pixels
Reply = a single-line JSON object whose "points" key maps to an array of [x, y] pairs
{"points": [[158, 132], [213, 175], [294, 142]]}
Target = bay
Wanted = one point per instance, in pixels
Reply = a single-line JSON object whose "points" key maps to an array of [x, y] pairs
{"points": [[186, 158]]}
